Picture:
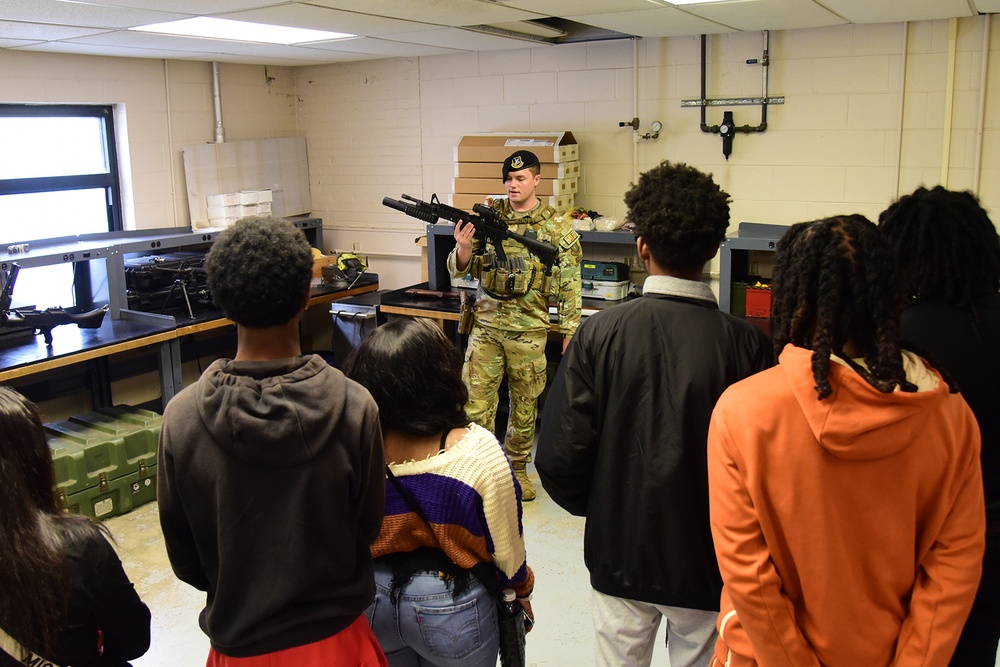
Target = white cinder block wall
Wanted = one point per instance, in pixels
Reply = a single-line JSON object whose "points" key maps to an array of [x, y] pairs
{"points": [[389, 127], [167, 105], [835, 146]]}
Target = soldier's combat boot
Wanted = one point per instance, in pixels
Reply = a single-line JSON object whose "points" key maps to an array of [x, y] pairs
{"points": [[527, 488]]}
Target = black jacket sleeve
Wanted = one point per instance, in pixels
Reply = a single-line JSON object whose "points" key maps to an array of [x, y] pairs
{"points": [[121, 616], [567, 442]]}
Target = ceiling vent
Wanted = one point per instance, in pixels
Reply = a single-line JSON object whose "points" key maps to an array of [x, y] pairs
{"points": [[552, 30]]}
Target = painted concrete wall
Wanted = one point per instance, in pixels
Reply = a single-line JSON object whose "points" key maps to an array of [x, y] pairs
{"points": [[838, 144]]}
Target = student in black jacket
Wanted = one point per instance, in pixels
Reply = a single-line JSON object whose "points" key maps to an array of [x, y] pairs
{"points": [[624, 429], [949, 255], [63, 593]]}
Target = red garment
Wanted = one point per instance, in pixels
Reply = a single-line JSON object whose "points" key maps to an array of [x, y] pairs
{"points": [[354, 646], [849, 530]]}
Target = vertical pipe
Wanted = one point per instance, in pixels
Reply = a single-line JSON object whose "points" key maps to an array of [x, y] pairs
{"points": [[220, 133], [170, 140], [978, 166], [949, 101], [635, 109], [765, 63], [704, 42], [902, 100]]}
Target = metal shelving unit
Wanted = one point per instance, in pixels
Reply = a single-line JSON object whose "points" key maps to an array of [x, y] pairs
{"points": [[736, 255]]}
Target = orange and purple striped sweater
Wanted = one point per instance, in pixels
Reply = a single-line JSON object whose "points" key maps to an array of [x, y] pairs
{"points": [[473, 502]]}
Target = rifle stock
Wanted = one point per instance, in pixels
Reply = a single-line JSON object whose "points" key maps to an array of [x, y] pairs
{"points": [[42, 321]]}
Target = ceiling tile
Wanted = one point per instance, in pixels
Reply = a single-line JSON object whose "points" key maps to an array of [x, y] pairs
{"points": [[144, 40], [988, 6], [198, 7], [40, 31], [765, 14], [381, 47], [457, 38], [892, 11], [80, 14], [324, 18], [568, 7], [655, 22], [438, 12]]}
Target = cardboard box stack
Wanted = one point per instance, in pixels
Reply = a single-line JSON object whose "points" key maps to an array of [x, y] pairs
{"points": [[226, 209], [479, 164]]}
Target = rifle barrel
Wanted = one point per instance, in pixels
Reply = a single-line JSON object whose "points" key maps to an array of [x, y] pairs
{"points": [[413, 211]]}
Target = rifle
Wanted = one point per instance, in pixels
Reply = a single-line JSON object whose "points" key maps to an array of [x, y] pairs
{"points": [[42, 321], [489, 229]]}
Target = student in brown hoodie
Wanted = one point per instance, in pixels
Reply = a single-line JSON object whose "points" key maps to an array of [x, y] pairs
{"points": [[845, 487], [271, 477]]}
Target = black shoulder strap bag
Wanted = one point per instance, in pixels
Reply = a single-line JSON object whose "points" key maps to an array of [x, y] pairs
{"points": [[511, 629], [14, 649]]}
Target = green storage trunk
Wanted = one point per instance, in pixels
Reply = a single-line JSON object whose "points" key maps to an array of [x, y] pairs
{"points": [[105, 461]]}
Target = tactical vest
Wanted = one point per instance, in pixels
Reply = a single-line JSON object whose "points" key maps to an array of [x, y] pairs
{"points": [[521, 273]]}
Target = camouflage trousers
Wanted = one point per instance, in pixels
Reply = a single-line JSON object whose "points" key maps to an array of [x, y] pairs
{"points": [[519, 354]]}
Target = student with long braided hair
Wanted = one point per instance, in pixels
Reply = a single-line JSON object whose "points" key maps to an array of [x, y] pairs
{"points": [[845, 487], [64, 596], [949, 256]]}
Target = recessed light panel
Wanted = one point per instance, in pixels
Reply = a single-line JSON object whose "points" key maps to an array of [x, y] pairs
{"points": [[240, 31]]}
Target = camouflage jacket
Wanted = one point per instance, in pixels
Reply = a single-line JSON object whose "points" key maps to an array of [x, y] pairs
{"points": [[530, 311]]}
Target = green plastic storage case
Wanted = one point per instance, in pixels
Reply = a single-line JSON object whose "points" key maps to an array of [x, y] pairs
{"points": [[105, 461]]}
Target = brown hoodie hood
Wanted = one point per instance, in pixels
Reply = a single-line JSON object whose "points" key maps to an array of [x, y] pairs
{"points": [[267, 412]]}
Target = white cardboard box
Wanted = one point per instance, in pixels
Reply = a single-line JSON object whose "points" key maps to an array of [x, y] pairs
{"points": [[227, 199], [495, 147], [465, 201], [547, 186]]}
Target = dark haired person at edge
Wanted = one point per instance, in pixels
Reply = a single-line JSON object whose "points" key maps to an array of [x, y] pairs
{"points": [[271, 473], [846, 494], [624, 429], [452, 535], [949, 257], [63, 593]]}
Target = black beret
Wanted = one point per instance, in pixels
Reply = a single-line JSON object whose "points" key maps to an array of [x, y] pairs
{"points": [[518, 161]]}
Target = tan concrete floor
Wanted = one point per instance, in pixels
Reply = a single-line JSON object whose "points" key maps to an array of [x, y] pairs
{"points": [[554, 539]]}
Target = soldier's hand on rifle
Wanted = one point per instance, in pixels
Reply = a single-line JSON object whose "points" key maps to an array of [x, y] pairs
{"points": [[464, 233]]}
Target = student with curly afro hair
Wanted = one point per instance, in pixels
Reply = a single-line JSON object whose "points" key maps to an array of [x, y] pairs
{"points": [[681, 214], [846, 494], [949, 255], [626, 421], [270, 473]]}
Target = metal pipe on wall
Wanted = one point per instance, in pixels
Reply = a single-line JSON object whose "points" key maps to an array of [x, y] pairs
{"points": [[949, 102], [902, 101], [220, 132], [980, 123], [765, 62], [635, 109], [170, 138]]}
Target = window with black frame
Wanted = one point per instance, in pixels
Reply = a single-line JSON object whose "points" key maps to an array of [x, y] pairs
{"points": [[58, 178]]}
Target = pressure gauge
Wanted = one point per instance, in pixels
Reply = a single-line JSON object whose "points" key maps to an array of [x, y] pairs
{"points": [[656, 126]]}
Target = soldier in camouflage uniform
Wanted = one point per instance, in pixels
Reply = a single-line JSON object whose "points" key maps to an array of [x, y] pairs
{"points": [[511, 313]]}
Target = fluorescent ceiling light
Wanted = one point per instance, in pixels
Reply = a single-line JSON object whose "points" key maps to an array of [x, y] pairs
{"points": [[240, 31]]}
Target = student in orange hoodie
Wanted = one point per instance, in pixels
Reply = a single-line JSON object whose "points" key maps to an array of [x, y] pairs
{"points": [[845, 488]]}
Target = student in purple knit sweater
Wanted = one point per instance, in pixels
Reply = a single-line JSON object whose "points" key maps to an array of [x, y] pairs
{"points": [[453, 506]]}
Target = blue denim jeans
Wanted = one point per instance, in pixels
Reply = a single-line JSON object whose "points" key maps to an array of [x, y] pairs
{"points": [[428, 627]]}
